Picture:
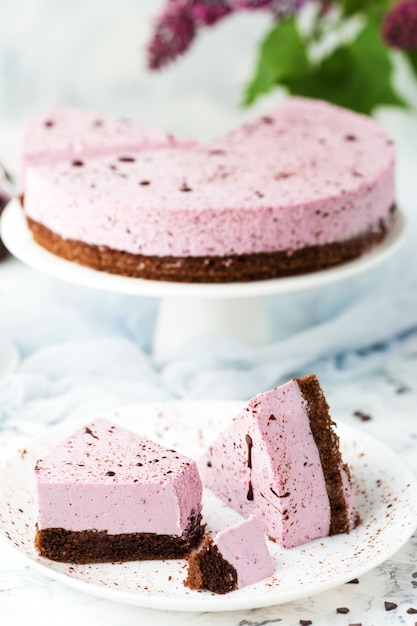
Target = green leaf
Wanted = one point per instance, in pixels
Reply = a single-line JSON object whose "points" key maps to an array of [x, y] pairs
{"points": [[282, 57], [356, 75], [376, 7]]}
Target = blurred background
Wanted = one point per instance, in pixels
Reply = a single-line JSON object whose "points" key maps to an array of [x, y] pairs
{"points": [[92, 53]]}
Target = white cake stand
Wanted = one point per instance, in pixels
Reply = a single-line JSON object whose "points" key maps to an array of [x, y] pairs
{"points": [[235, 310]]}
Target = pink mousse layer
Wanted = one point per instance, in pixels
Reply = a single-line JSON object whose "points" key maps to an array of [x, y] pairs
{"points": [[309, 173], [244, 547], [104, 477], [267, 463], [66, 133]]}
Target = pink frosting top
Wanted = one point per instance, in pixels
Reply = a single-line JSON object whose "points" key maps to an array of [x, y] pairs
{"points": [[267, 463], [309, 173], [244, 547], [66, 133], [104, 477]]}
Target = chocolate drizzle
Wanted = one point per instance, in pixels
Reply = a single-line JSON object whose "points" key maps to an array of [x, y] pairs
{"points": [[249, 441], [249, 495]]}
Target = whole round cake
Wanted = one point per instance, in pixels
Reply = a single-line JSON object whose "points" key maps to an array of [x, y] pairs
{"points": [[305, 188]]}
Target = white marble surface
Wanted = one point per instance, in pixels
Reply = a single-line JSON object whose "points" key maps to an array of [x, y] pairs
{"points": [[82, 350]]}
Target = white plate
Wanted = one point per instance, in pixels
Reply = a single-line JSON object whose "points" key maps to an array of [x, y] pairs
{"points": [[386, 493], [18, 239]]}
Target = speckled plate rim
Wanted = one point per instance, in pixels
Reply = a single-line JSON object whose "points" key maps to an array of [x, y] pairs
{"points": [[387, 497]]}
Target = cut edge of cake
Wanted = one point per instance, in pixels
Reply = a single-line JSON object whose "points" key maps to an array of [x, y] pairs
{"points": [[280, 459]]}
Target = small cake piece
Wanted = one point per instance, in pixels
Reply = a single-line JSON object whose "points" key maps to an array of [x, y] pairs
{"points": [[238, 556], [280, 459], [107, 494]]}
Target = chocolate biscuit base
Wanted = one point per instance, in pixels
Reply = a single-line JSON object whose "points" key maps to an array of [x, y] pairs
{"points": [[207, 569], [210, 269], [93, 546], [328, 445]]}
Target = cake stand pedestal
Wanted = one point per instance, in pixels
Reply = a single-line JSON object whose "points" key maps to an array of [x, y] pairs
{"points": [[235, 310]]}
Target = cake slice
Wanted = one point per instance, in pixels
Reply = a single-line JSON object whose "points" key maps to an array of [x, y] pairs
{"points": [[236, 557], [65, 133], [280, 459], [107, 494]]}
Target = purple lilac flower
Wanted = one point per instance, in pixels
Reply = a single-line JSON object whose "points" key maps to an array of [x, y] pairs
{"points": [[173, 34], [399, 28], [177, 27], [209, 12]]}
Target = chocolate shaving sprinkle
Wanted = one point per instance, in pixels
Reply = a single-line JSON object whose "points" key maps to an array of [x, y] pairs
{"points": [[126, 159], [88, 431], [110, 473], [305, 622], [390, 606], [354, 581], [411, 611], [77, 163], [364, 417], [49, 123], [144, 182], [185, 187], [343, 610]]}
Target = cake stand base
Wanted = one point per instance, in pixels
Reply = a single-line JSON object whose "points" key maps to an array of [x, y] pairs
{"points": [[180, 319]]}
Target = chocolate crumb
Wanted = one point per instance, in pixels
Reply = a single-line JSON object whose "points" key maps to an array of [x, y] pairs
{"points": [[390, 606], [88, 431], [209, 464], [110, 473], [354, 581], [144, 182], [411, 611], [305, 622], [350, 137], [185, 187], [343, 610], [127, 159], [49, 123], [77, 163], [364, 417]]}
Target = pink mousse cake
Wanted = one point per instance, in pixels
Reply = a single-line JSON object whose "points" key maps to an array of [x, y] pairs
{"points": [[280, 460], [107, 494], [235, 558], [307, 187]]}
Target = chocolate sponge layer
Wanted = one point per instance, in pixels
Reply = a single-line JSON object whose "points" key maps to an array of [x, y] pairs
{"points": [[209, 269]]}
